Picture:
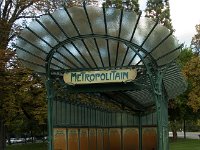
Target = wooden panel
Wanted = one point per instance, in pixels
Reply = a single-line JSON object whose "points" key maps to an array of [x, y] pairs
{"points": [[115, 139], [130, 139], [99, 139], [83, 139], [60, 142], [73, 139], [149, 138], [105, 139], [92, 139]]}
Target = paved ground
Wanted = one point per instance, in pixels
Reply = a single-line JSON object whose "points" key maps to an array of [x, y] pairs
{"points": [[189, 135]]}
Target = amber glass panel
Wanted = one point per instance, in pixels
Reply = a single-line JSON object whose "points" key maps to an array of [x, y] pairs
{"points": [[73, 139], [149, 137], [92, 139], [99, 139], [105, 139], [115, 139], [130, 139], [60, 142], [83, 139]]}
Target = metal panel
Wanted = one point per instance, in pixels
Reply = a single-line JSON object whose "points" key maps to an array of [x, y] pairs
{"points": [[68, 114], [59, 112], [72, 118], [63, 108]]}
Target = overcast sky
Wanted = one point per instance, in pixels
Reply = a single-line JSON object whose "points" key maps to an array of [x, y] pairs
{"points": [[185, 15]]}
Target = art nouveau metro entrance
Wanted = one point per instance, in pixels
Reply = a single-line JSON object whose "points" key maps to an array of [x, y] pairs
{"points": [[91, 108]]}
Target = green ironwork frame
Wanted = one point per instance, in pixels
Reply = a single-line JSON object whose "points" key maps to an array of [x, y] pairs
{"points": [[156, 83], [154, 72]]}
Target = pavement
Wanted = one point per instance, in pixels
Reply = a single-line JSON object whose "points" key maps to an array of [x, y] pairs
{"points": [[189, 135]]}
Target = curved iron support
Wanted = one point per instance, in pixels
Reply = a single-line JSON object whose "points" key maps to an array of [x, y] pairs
{"points": [[161, 110], [81, 37]]}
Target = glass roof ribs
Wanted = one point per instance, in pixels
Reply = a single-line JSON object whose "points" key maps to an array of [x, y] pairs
{"points": [[138, 18], [88, 38], [101, 39], [71, 19], [84, 6], [67, 37], [152, 50]]}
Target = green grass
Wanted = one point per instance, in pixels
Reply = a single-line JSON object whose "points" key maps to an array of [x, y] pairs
{"points": [[185, 144], [35, 146], [180, 144]]}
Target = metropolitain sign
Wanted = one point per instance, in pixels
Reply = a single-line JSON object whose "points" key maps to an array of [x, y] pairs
{"points": [[100, 76]]}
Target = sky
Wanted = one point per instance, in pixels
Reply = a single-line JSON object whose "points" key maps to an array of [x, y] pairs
{"points": [[185, 14]]}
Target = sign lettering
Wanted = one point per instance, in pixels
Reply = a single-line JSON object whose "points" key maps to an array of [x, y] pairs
{"points": [[100, 76]]}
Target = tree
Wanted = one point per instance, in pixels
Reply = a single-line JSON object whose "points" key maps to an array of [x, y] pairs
{"points": [[126, 4], [159, 9], [192, 73], [10, 12], [26, 105], [195, 43], [187, 105], [70, 3], [178, 108]]}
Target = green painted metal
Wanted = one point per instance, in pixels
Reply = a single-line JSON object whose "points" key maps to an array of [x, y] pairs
{"points": [[50, 98], [140, 132], [134, 110]]}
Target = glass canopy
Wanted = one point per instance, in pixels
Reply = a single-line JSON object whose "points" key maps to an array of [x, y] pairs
{"points": [[93, 38]]}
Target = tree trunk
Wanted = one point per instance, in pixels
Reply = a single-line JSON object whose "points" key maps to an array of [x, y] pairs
{"points": [[2, 135], [184, 125], [8, 137], [174, 132], [32, 136]]}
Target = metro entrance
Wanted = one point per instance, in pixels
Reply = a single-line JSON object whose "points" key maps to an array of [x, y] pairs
{"points": [[109, 75]]}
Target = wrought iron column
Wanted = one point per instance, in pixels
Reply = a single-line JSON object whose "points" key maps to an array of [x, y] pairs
{"points": [[162, 113], [50, 97]]}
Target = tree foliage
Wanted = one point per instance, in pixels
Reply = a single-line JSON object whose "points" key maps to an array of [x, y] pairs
{"points": [[126, 4], [26, 96], [192, 72], [187, 105], [195, 43], [25, 101], [178, 108], [159, 9], [14, 99], [70, 3]]}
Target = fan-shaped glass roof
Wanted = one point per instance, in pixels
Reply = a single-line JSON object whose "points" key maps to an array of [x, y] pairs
{"points": [[93, 38]]}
